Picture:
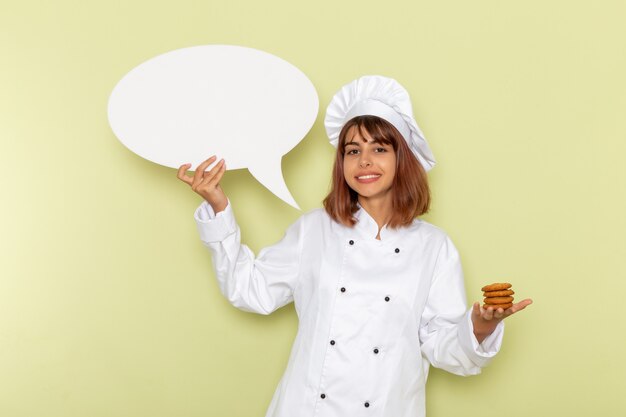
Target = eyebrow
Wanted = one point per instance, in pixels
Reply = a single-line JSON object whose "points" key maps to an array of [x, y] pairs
{"points": [[352, 142]]}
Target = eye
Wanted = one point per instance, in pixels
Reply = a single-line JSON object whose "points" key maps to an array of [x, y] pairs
{"points": [[352, 151], [380, 149]]}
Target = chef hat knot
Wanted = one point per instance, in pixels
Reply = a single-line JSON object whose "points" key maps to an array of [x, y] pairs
{"points": [[383, 97]]}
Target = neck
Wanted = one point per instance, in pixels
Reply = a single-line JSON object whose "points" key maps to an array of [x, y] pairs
{"points": [[379, 209]]}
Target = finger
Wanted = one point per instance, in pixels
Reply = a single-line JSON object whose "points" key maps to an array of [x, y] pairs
{"points": [[488, 313], [476, 311], [209, 175], [518, 306], [182, 174], [217, 177], [498, 313], [199, 174], [207, 182]]}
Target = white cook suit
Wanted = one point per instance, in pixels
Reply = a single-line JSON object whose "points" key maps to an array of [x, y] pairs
{"points": [[373, 314]]}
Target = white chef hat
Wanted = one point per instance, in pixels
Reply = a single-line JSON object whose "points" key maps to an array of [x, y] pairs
{"points": [[380, 96]]}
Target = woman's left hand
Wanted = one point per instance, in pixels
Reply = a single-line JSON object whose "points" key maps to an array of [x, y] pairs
{"points": [[486, 320]]}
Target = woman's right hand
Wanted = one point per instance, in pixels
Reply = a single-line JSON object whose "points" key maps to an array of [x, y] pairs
{"points": [[207, 184]]}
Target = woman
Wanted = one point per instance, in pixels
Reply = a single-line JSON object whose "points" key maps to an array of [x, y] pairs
{"points": [[379, 293]]}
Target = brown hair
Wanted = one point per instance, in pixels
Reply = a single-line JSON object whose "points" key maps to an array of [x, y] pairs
{"points": [[410, 191]]}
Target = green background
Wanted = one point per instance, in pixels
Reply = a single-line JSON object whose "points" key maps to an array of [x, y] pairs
{"points": [[108, 304]]}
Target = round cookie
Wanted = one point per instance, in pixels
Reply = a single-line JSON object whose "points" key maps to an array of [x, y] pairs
{"points": [[502, 293], [497, 306], [498, 300], [496, 286]]}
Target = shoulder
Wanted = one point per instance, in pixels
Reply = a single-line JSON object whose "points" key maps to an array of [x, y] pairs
{"points": [[315, 218], [318, 222], [433, 239], [315, 215], [427, 231]]}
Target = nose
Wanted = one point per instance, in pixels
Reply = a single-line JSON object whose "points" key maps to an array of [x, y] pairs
{"points": [[364, 163]]}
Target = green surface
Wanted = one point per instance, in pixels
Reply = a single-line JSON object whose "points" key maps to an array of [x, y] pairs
{"points": [[108, 305]]}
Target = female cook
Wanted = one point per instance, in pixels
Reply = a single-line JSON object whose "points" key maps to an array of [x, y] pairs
{"points": [[379, 294]]}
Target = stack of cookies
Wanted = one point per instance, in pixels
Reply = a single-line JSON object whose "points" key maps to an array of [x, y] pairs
{"points": [[498, 295]]}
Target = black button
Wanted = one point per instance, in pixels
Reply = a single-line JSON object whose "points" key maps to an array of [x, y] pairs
{"points": [[351, 242], [323, 396], [366, 404], [343, 289], [386, 298], [332, 342], [375, 350], [397, 250]]}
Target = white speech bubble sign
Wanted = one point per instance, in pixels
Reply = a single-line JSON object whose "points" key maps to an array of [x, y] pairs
{"points": [[241, 104]]}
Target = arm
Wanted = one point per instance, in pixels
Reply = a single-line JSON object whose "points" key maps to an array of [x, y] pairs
{"points": [[261, 284], [258, 285], [446, 330]]}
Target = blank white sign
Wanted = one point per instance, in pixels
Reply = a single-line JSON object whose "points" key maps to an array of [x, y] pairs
{"points": [[241, 104]]}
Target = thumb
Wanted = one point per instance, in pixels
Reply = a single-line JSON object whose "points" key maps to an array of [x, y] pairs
{"points": [[476, 309]]}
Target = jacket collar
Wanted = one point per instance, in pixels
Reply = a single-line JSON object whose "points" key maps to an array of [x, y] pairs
{"points": [[367, 227]]}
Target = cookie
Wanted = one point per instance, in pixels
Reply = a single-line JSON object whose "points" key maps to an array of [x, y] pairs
{"points": [[498, 300], [496, 287], [502, 293], [497, 306]]}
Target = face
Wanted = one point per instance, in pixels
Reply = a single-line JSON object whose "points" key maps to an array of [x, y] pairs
{"points": [[368, 167]]}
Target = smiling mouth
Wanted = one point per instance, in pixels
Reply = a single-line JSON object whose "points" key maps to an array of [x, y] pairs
{"points": [[367, 178]]}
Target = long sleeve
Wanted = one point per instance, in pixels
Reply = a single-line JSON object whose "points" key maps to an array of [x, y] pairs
{"points": [[262, 284], [446, 331]]}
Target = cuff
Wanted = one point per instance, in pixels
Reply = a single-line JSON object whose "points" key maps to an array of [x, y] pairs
{"points": [[482, 353], [214, 227]]}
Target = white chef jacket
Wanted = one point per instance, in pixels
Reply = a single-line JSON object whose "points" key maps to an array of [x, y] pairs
{"points": [[373, 314]]}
